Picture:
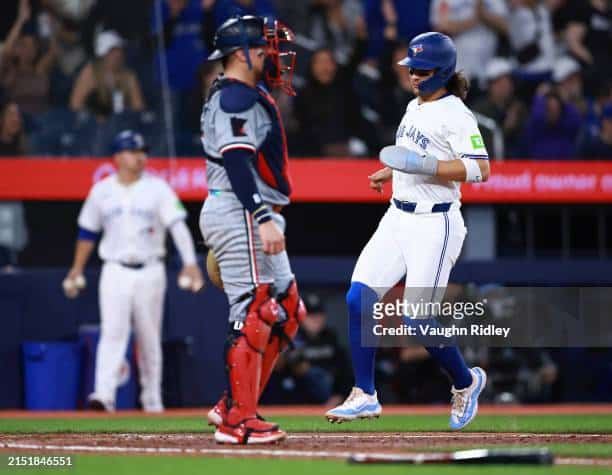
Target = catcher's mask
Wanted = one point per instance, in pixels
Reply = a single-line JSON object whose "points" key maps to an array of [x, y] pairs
{"points": [[280, 61]]}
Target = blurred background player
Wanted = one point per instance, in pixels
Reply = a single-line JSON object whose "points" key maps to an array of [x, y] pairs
{"points": [[248, 179], [131, 210], [438, 145]]}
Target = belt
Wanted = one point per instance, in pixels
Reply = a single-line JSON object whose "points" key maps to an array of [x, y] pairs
{"points": [[410, 207], [217, 161], [138, 265]]}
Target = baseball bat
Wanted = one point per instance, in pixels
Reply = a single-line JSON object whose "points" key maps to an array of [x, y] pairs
{"points": [[540, 456]]}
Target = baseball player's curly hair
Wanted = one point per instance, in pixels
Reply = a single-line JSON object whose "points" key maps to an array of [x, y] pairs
{"points": [[458, 85]]}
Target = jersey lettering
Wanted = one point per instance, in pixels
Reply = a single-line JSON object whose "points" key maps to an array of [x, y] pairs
{"points": [[418, 137]]}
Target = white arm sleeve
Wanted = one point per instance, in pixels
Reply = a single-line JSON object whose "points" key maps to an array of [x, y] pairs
{"points": [[90, 217], [183, 242]]}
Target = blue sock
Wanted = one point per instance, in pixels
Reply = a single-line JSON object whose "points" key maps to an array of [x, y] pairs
{"points": [[360, 300], [446, 353]]}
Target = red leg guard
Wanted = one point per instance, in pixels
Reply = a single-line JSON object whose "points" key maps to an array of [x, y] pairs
{"points": [[244, 356], [284, 333]]}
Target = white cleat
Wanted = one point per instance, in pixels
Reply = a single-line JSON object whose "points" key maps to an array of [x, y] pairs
{"points": [[358, 405], [465, 401], [153, 408], [99, 404]]}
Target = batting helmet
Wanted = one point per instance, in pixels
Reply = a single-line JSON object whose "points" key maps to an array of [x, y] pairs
{"points": [[129, 140], [238, 32], [432, 51]]}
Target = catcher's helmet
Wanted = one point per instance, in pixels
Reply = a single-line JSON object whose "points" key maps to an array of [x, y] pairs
{"points": [[432, 51], [238, 32], [129, 140]]}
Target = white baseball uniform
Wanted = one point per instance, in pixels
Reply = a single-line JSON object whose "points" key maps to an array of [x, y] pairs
{"points": [[423, 245], [133, 220]]}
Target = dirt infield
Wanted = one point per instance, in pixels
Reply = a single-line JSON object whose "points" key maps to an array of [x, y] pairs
{"points": [[297, 445], [335, 446]]}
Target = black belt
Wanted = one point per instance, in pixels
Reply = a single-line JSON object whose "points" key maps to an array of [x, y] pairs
{"points": [[410, 207], [217, 161], [138, 265]]}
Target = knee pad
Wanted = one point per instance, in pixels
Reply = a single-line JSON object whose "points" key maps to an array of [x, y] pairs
{"points": [[262, 314], [295, 309]]}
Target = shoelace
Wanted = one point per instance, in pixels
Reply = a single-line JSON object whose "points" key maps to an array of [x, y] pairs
{"points": [[459, 401], [354, 394]]}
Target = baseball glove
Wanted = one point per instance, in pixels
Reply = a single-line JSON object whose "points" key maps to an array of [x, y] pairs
{"points": [[212, 268]]}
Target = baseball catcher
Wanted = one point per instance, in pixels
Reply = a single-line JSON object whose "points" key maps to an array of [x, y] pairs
{"points": [[248, 177]]}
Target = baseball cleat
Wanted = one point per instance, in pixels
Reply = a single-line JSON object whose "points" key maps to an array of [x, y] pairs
{"points": [[98, 404], [251, 431], [157, 408], [358, 405], [465, 401], [218, 413]]}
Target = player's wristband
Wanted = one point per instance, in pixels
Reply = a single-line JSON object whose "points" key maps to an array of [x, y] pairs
{"points": [[262, 214], [472, 170]]}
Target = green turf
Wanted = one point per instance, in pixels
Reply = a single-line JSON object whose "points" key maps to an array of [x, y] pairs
{"points": [[586, 423], [140, 465]]}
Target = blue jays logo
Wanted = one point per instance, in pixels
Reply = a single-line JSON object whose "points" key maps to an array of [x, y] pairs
{"points": [[416, 49]]}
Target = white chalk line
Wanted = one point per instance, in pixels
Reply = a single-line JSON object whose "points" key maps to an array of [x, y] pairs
{"points": [[374, 436], [464, 435], [277, 453], [180, 450]]}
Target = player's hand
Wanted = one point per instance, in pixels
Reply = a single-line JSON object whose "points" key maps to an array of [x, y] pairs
{"points": [[379, 178], [74, 283], [272, 238], [191, 278]]}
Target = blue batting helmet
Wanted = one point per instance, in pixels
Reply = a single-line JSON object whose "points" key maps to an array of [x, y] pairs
{"points": [[238, 32], [129, 140], [432, 51]]}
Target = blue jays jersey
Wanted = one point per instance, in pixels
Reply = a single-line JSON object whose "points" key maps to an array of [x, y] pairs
{"points": [[445, 129]]}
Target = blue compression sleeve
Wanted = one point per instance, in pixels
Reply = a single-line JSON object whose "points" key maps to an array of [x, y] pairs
{"points": [[87, 235], [360, 300], [236, 162], [445, 351]]}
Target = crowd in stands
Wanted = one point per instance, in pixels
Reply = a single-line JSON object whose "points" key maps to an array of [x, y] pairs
{"points": [[76, 72]]}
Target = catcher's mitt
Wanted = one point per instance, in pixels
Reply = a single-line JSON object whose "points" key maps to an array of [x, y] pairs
{"points": [[212, 268]]}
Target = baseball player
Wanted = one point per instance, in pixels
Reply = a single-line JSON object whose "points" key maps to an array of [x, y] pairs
{"points": [[438, 145], [131, 210], [248, 179]]}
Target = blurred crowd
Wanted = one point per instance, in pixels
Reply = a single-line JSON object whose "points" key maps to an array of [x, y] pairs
{"points": [[317, 369], [73, 73]]}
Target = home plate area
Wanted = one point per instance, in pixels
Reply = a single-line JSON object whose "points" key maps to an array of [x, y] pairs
{"points": [[296, 446]]}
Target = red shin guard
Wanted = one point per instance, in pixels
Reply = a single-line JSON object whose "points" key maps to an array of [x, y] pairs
{"points": [[284, 333], [244, 356]]}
